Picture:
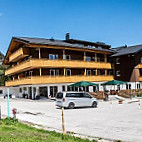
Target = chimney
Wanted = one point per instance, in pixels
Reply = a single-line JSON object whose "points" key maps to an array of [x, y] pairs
{"points": [[67, 36]]}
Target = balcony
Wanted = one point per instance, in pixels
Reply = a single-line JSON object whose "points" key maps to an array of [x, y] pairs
{"points": [[45, 63], [139, 66], [140, 78], [19, 54], [56, 79]]}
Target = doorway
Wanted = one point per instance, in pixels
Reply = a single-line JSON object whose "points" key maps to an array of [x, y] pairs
{"points": [[53, 91], [43, 91]]}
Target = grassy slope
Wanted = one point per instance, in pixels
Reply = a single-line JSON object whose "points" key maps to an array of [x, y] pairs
{"points": [[13, 131]]}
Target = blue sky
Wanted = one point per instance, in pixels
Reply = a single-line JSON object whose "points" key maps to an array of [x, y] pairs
{"points": [[115, 22]]}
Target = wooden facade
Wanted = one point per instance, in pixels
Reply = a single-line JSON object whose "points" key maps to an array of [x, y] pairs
{"points": [[129, 67], [43, 64]]}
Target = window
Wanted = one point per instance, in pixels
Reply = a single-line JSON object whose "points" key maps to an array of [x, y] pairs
{"points": [[138, 86], [128, 86], [53, 56], [93, 58], [94, 88], [68, 72], [117, 73], [63, 88], [25, 89], [88, 58], [69, 88], [30, 73], [67, 57], [1, 91], [88, 72], [20, 90], [54, 72], [117, 60], [86, 95], [94, 72], [76, 95]]}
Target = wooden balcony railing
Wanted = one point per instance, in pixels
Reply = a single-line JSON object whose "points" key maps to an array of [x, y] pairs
{"points": [[56, 79], [19, 54], [45, 63]]}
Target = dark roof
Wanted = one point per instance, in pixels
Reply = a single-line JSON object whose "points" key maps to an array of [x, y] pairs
{"points": [[54, 42], [128, 50], [87, 42]]}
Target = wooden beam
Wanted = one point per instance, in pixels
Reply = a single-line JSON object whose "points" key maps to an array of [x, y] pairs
{"points": [[39, 53], [85, 72], [95, 57], [40, 72], [84, 56], [64, 71]]}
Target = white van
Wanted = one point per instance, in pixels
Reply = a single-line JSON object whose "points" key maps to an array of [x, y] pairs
{"points": [[75, 99]]}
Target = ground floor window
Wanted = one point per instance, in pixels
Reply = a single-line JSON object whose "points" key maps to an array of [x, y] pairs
{"points": [[63, 88], [1, 91], [128, 86], [20, 90], [138, 86]]}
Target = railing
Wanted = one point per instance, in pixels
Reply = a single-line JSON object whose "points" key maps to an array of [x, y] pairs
{"points": [[140, 78], [45, 63], [56, 79], [19, 54], [139, 66]]}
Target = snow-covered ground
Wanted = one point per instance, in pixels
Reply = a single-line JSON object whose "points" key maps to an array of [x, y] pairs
{"points": [[109, 120]]}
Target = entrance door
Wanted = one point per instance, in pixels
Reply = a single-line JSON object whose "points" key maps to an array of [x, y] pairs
{"points": [[53, 91], [43, 91]]}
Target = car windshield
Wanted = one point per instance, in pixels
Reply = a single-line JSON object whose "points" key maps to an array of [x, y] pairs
{"points": [[59, 95]]}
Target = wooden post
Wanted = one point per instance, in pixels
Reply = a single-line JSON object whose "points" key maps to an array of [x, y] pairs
{"points": [[105, 72], [64, 71], [96, 72], [84, 56], [63, 121], [39, 53], [63, 54], [105, 58], [85, 72], [95, 57], [40, 72]]}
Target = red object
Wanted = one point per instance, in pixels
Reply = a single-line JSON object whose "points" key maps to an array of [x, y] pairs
{"points": [[14, 110], [63, 99]]}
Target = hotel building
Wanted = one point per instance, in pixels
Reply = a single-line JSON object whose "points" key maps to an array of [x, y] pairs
{"points": [[45, 66]]}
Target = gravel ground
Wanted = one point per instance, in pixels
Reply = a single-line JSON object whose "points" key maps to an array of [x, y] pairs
{"points": [[112, 122]]}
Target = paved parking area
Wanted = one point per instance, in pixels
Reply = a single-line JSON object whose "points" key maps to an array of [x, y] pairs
{"points": [[116, 121]]}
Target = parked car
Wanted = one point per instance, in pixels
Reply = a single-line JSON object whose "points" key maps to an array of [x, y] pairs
{"points": [[75, 99], [10, 96]]}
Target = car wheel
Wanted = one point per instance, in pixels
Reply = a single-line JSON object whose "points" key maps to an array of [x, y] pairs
{"points": [[94, 104], [71, 105]]}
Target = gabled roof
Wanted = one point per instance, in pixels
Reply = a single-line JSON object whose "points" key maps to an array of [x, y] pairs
{"points": [[125, 50], [20, 41], [54, 42]]}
